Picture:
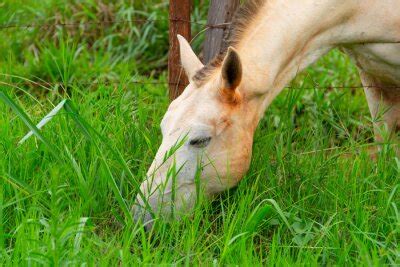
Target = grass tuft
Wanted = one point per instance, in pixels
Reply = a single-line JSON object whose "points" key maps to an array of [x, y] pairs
{"points": [[312, 195]]}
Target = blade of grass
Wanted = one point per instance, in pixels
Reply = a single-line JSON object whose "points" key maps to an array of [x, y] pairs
{"points": [[21, 185], [24, 117], [45, 120], [280, 212], [87, 129]]}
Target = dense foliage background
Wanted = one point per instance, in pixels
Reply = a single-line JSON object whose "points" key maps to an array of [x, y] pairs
{"points": [[312, 196], [103, 38]]}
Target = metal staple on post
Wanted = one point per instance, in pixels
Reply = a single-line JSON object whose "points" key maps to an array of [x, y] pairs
{"points": [[220, 12]]}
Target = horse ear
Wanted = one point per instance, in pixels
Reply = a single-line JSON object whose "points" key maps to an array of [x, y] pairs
{"points": [[190, 62], [231, 71]]}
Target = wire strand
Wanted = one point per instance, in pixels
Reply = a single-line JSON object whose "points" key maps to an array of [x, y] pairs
{"points": [[75, 24], [110, 83]]}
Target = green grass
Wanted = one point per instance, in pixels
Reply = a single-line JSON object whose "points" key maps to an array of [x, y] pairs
{"points": [[311, 197]]}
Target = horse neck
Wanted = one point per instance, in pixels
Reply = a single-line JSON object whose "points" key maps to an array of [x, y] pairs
{"points": [[286, 36]]}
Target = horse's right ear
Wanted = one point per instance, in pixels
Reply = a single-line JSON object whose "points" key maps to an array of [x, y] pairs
{"points": [[231, 70], [190, 62]]}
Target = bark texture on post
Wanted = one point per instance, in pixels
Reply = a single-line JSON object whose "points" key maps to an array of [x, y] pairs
{"points": [[220, 12], [179, 17]]}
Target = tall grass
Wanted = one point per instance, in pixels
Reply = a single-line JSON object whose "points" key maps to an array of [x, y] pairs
{"points": [[100, 40], [312, 195]]}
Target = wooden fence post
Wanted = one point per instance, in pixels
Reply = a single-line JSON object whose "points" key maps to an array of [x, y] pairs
{"points": [[220, 12], [179, 18]]}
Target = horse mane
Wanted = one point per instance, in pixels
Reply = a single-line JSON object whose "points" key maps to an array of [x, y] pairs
{"points": [[242, 18]]}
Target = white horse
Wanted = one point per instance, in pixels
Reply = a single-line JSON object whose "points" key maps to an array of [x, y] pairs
{"points": [[270, 42]]}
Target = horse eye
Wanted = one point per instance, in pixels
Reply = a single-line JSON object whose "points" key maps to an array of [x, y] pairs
{"points": [[200, 142]]}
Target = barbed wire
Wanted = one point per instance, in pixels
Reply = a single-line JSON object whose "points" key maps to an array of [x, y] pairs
{"points": [[106, 22], [206, 26], [115, 83]]}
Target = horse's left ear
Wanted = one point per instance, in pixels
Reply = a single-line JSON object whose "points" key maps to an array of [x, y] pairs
{"points": [[190, 62], [231, 71]]}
